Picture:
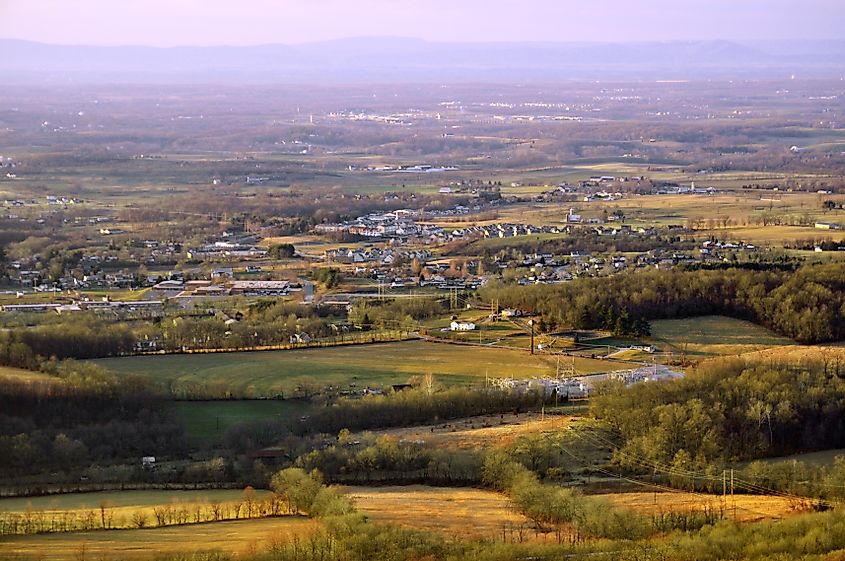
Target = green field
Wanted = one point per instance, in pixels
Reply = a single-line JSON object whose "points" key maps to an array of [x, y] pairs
{"points": [[274, 372], [237, 537], [207, 421], [713, 336], [268, 373], [821, 458]]}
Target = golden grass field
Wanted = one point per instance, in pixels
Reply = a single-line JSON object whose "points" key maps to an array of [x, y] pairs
{"points": [[483, 432], [7, 372], [772, 235], [237, 537], [454, 511], [831, 354], [749, 508], [120, 506], [474, 513]]}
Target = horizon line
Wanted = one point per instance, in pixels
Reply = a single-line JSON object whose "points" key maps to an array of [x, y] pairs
{"points": [[432, 42]]}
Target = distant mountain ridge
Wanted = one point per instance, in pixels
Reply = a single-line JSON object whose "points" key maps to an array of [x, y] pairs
{"points": [[396, 59]]}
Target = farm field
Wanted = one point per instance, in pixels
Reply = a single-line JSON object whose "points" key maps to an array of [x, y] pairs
{"points": [[772, 235], [120, 508], [833, 354], [707, 336], [453, 511], [272, 372], [236, 537], [7, 372], [476, 513], [485, 432], [820, 458], [119, 499], [749, 508], [207, 421]]}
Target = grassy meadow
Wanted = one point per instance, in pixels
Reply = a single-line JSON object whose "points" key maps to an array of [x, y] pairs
{"points": [[207, 421], [19, 374], [475, 513], [122, 504], [707, 336], [454, 511], [274, 372], [486, 432], [235, 537]]}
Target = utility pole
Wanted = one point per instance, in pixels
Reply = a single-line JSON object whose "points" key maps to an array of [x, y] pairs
{"points": [[733, 499], [531, 323]]}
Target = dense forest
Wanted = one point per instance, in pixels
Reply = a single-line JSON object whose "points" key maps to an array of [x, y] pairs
{"points": [[80, 416], [727, 410], [807, 305]]}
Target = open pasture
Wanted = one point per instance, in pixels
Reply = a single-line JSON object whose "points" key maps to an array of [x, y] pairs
{"points": [[21, 375], [236, 537], [475, 513], [485, 432], [453, 511], [707, 336], [121, 509], [820, 458], [744, 508], [207, 421], [775, 235], [270, 373]]}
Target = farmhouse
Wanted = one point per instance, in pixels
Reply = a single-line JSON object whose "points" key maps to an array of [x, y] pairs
{"points": [[462, 326]]}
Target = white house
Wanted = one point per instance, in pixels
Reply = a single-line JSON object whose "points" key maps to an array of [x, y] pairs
{"points": [[462, 326]]}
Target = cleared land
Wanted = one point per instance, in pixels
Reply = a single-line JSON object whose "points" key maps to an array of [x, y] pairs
{"points": [[18, 374], [280, 372], [120, 500], [207, 421], [484, 432], [748, 508], [707, 336], [468, 512], [832, 354], [238, 537], [821, 458], [119, 507], [459, 511]]}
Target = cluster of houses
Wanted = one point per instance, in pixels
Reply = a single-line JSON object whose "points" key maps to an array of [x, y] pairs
{"points": [[386, 256], [546, 268], [398, 224], [51, 200]]}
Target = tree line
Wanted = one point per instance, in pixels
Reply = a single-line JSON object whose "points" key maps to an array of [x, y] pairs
{"points": [[82, 416], [727, 410], [408, 407], [103, 516], [807, 305]]}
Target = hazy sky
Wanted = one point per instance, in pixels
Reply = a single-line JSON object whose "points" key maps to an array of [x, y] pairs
{"points": [[251, 22]]}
